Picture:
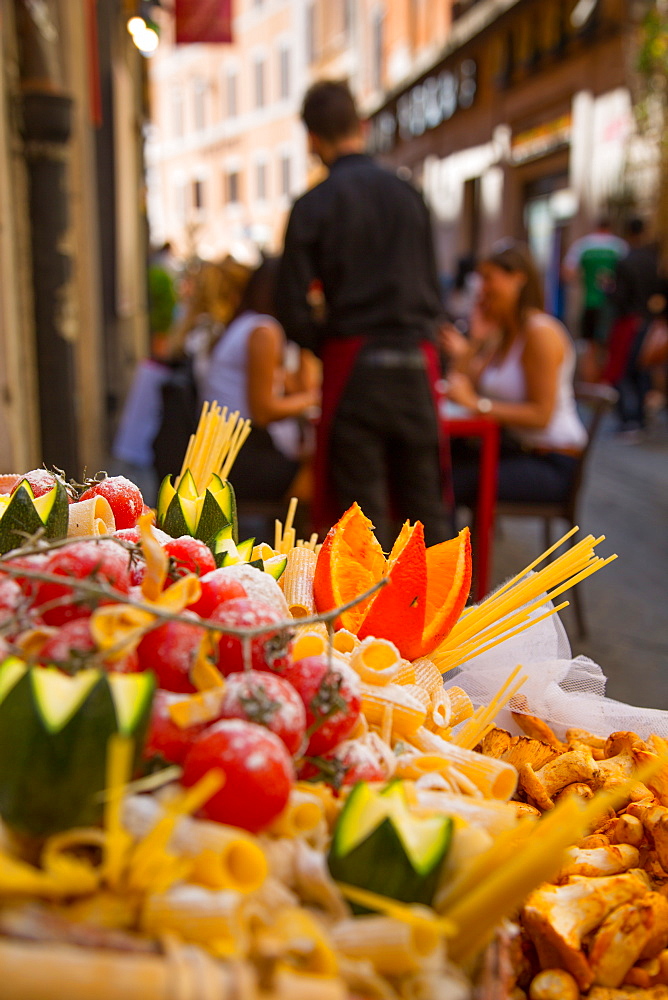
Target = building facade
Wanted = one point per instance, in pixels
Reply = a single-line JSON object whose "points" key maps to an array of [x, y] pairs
{"points": [[521, 128], [226, 153], [73, 232]]}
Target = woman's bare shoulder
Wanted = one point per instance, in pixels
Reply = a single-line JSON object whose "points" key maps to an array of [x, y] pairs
{"points": [[545, 334]]}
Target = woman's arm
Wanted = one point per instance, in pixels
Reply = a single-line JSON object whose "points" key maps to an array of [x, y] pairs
{"points": [[265, 359], [543, 354]]}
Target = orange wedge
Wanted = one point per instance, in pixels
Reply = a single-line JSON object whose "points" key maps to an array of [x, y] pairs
{"points": [[448, 586], [397, 611], [349, 562]]}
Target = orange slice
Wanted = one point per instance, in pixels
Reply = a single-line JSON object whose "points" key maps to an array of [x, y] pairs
{"points": [[350, 561], [448, 586], [397, 611]]}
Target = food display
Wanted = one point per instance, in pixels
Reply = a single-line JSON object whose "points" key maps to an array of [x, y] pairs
{"points": [[232, 771]]}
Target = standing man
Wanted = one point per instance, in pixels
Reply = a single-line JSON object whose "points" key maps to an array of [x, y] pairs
{"points": [[364, 237], [593, 258]]}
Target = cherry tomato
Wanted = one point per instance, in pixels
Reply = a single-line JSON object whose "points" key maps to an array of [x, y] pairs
{"points": [[268, 700], [217, 587], [134, 534], [190, 555], [10, 599], [28, 584], [40, 481], [170, 651], [258, 773], [268, 651], [331, 696], [166, 739], [124, 498], [349, 762], [102, 561]]}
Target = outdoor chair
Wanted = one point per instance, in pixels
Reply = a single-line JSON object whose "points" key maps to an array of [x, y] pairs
{"points": [[595, 400]]}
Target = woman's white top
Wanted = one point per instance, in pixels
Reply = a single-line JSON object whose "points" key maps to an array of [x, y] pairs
{"points": [[226, 379], [506, 382]]}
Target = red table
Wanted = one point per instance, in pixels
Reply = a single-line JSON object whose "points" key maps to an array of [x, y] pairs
{"points": [[488, 432]]}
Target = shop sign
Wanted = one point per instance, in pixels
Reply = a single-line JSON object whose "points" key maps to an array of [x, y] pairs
{"points": [[541, 139], [426, 106]]}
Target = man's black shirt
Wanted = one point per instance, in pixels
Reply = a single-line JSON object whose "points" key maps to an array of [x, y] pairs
{"points": [[366, 235]]}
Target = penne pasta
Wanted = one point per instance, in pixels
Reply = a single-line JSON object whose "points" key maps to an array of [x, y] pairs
{"points": [[498, 781], [461, 706], [345, 642], [394, 948], [208, 917], [408, 714], [224, 856], [296, 581], [310, 641], [427, 675], [377, 661], [90, 517], [67, 972], [406, 674], [303, 813]]}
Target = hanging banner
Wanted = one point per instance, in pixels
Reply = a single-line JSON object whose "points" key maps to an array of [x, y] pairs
{"points": [[203, 21]]}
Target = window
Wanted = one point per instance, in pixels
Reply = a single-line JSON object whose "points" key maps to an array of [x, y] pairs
{"points": [[285, 170], [259, 83], [232, 109], [198, 194], [284, 73], [310, 33], [261, 181], [231, 187], [177, 112], [199, 104]]}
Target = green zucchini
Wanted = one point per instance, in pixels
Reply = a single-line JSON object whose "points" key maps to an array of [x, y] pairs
{"points": [[184, 511], [380, 845], [24, 515], [54, 731]]}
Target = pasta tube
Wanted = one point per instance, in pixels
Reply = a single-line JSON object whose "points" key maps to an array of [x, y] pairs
{"points": [[344, 641], [297, 581], [90, 517], [393, 947], [302, 814], [67, 972], [408, 714], [377, 661], [310, 642], [461, 706], [224, 856], [496, 779], [208, 917]]}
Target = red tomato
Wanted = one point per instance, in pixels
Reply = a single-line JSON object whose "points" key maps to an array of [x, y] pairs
{"points": [[170, 651], [166, 739], [268, 700], [217, 587], [28, 584], [124, 498], [190, 555], [70, 646], [40, 481], [103, 561], [258, 773], [268, 651], [331, 697], [10, 599], [349, 762], [134, 535]]}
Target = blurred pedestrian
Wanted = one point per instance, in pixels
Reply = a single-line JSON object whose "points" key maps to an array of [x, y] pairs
{"points": [[162, 296], [633, 300], [364, 237], [246, 372], [523, 379], [593, 259]]}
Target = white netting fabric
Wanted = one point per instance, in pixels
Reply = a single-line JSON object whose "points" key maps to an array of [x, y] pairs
{"points": [[562, 690]]}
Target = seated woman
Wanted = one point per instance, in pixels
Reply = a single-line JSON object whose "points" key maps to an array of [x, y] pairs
{"points": [[523, 379], [245, 372]]}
